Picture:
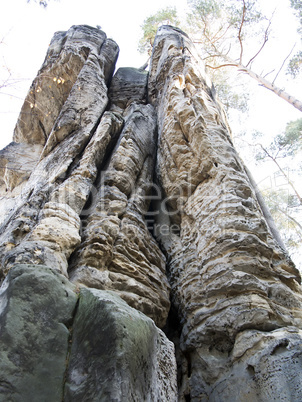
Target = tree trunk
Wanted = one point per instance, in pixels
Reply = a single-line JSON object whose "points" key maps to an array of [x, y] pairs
{"points": [[272, 87], [265, 83], [262, 81]]}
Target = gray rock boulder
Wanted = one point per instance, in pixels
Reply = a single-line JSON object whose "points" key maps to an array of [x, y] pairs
{"points": [[118, 354], [101, 350], [37, 305]]}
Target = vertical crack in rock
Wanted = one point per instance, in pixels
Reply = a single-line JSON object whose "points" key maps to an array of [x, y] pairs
{"points": [[228, 275], [71, 327]]}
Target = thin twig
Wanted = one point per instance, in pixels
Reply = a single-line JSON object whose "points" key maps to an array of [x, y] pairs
{"points": [[240, 30], [268, 73], [262, 46], [222, 65], [264, 40], [282, 65]]}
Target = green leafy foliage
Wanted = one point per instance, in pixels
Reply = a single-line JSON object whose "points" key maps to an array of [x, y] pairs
{"points": [[220, 23], [297, 6], [291, 140], [221, 28], [286, 144], [151, 24], [230, 90], [295, 63], [228, 34]]}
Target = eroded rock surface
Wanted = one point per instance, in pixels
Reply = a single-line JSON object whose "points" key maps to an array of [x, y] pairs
{"points": [[117, 250], [118, 354], [228, 274], [37, 307], [129, 189], [51, 348]]}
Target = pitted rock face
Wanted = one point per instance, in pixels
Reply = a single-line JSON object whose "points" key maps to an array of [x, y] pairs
{"points": [[76, 61], [117, 250], [227, 273], [130, 183]]}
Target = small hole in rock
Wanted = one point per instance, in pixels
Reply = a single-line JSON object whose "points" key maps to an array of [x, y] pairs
{"points": [[251, 370], [281, 347]]}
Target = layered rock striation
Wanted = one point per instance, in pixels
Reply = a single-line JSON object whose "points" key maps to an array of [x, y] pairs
{"points": [[230, 279], [125, 209]]}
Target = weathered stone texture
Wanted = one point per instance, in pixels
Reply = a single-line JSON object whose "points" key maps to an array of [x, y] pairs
{"points": [[118, 354], [128, 189], [227, 272], [117, 250], [51, 348], [61, 98], [37, 230], [36, 309], [263, 366], [128, 85]]}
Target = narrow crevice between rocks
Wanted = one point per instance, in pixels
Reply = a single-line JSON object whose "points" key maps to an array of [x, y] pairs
{"points": [[113, 66], [75, 162], [150, 216], [69, 326], [154, 203], [43, 129], [187, 397], [111, 149], [172, 330], [89, 205], [112, 146]]}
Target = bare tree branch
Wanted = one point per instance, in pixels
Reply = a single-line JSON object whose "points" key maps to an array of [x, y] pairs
{"points": [[263, 44], [268, 73], [282, 65], [224, 33], [240, 31], [282, 171], [222, 65], [293, 220]]}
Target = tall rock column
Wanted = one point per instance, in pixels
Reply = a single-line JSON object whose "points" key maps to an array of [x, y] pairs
{"points": [[236, 291], [77, 213], [60, 117]]}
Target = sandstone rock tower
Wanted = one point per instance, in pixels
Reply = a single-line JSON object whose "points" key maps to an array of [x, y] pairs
{"points": [[136, 260]]}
